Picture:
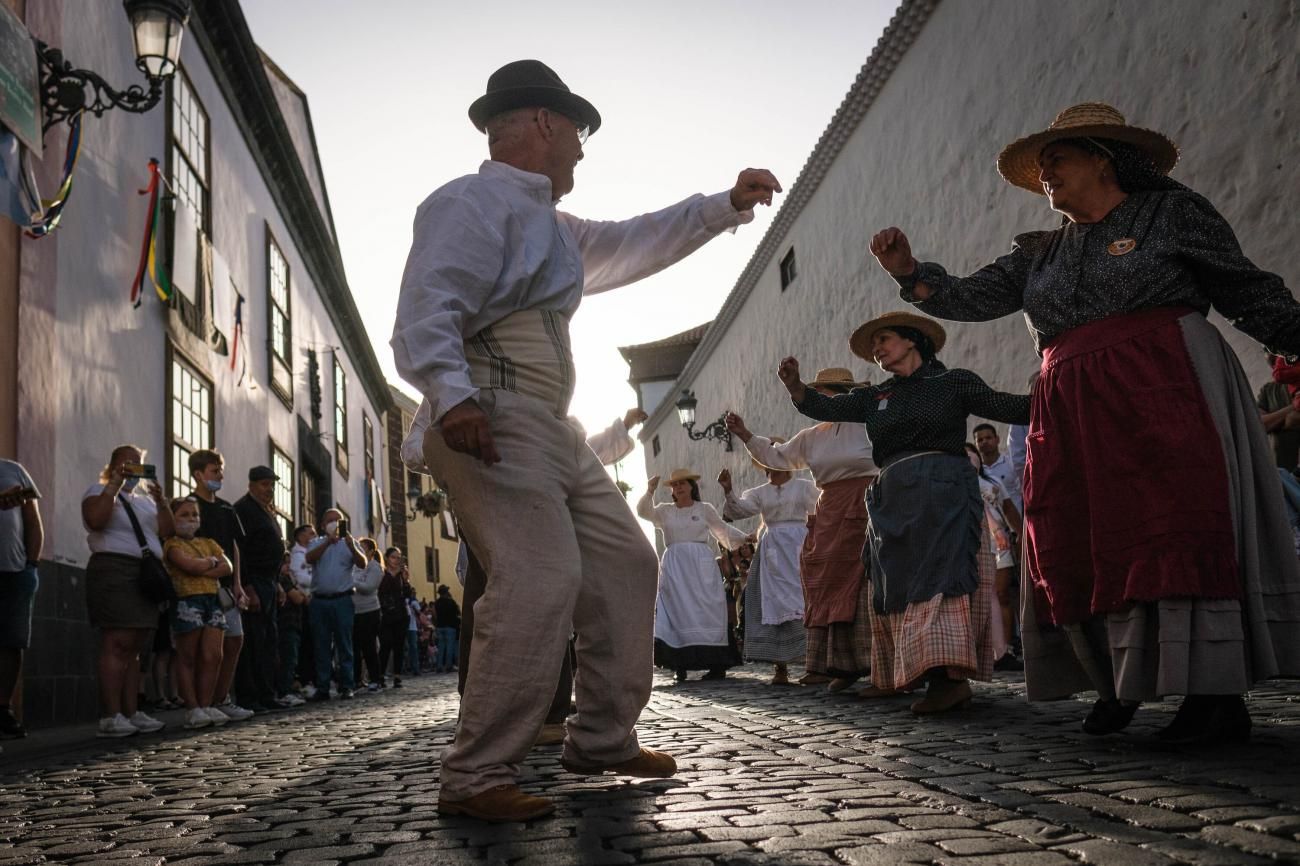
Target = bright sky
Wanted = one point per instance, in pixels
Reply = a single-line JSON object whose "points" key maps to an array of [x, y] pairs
{"points": [[689, 93]]}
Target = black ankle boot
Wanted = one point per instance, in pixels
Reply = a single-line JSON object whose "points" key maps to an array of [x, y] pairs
{"points": [[1107, 717], [1208, 720]]}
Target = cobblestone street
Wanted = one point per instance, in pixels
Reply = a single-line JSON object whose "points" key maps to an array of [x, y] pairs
{"points": [[767, 775]]}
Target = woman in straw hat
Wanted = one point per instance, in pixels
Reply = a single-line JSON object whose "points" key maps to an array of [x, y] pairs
{"points": [[774, 603], [836, 600], [1154, 528], [691, 630], [930, 614]]}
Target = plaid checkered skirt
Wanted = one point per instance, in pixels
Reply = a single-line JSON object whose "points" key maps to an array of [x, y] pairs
{"points": [[953, 632], [843, 649]]}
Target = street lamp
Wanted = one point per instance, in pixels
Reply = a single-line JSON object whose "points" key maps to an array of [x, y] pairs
{"points": [[158, 26], [413, 494], [716, 431]]}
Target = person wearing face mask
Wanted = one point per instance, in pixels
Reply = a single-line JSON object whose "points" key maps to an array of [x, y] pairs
{"points": [[114, 601], [198, 623], [334, 554], [218, 521]]}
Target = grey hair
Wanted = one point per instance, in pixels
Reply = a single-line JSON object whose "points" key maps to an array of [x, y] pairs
{"points": [[504, 128]]}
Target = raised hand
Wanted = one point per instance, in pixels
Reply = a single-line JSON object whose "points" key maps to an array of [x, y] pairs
{"points": [[892, 250], [724, 480], [788, 372], [736, 427], [754, 186], [634, 417], [653, 483]]}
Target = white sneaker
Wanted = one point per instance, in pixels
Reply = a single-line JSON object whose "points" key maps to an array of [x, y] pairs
{"points": [[146, 723], [116, 726], [233, 711], [215, 716], [197, 718], [309, 691], [293, 700]]}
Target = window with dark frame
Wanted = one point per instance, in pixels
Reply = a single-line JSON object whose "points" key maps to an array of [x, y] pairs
{"points": [[283, 502], [654, 446], [430, 566], [189, 422], [279, 324], [368, 445], [340, 416], [187, 170], [789, 270]]}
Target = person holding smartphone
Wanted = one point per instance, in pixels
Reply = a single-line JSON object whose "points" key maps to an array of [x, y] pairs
{"points": [[333, 555], [117, 606]]}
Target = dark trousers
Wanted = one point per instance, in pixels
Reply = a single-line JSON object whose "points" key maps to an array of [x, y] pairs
{"points": [[290, 643], [365, 646], [255, 674], [306, 652], [392, 643], [475, 583]]}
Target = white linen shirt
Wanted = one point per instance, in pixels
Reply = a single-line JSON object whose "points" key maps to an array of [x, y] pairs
{"points": [[833, 451], [1003, 471], [482, 249], [300, 568], [792, 501], [694, 524], [118, 535]]}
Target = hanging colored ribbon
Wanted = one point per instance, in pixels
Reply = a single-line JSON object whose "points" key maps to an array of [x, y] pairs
{"points": [[150, 261], [238, 329], [52, 208]]}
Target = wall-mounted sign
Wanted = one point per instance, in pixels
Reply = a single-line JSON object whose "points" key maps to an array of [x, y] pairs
{"points": [[20, 107]]}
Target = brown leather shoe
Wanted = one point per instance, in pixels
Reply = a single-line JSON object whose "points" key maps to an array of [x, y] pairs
{"points": [[943, 696], [550, 735], [649, 764], [839, 684], [813, 679], [500, 804]]}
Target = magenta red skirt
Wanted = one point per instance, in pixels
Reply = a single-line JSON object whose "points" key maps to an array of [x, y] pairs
{"points": [[1126, 487]]}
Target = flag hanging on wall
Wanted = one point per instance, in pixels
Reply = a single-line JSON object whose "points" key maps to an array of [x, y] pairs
{"points": [[238, 330], [150, 255], [52, 208]]}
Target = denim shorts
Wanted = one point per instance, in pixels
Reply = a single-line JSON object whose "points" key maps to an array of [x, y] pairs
{"points": [[17, 598], [194, 612]]}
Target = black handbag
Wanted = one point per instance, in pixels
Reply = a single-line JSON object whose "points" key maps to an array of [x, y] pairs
{"points": [[155, 582]]}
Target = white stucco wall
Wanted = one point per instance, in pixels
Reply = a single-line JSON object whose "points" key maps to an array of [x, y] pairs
{"points": [[106, 381], [1221, 78]]}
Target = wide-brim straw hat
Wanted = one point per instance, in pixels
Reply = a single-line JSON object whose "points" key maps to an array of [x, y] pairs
{"points": [[683, 475], [860, 342], [1018, 162], [776, 440], [835, 377]]}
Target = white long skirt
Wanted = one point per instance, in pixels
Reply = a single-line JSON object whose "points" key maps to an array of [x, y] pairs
{"points": [[692, 605]]}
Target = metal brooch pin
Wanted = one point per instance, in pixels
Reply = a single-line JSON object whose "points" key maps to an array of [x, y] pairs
{"points": [[1121, 247]]}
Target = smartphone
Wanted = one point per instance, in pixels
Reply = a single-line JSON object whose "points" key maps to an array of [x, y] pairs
{"points": [[140, 470], [343, 528]]}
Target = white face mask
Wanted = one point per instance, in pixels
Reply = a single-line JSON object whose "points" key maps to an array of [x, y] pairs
{"points": [[187, 528], [332, 528], [213, 486]]}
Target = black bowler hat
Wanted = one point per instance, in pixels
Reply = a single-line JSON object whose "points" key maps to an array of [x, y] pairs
{"points": [[526, 83], [262, 473]]}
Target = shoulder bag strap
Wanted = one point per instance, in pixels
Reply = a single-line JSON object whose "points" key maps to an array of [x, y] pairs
{"points": [[135, 524]]}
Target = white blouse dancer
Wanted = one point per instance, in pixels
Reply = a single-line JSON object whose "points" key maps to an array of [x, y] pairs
{"points": [[774, 603], [691, 611]]}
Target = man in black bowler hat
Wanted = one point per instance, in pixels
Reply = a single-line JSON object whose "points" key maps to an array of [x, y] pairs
{"points": [[494, 274]]}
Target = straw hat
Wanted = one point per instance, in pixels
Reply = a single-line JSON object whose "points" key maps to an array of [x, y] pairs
{"points": [[835, 377], [860, 342], [1018, 162], [777, 440], [683, 475]]}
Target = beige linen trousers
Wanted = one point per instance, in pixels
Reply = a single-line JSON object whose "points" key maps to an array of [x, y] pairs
{"points": [[563, 553]]}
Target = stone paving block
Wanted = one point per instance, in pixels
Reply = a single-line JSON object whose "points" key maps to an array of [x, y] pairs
{"points": [[1020, 858], [337, 853], [1281, 825], [934, 822], [1252, 842], [971, 845], [1107, 853], [1149, 817], [901, 854], [744, 834], [1198, 853]]}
